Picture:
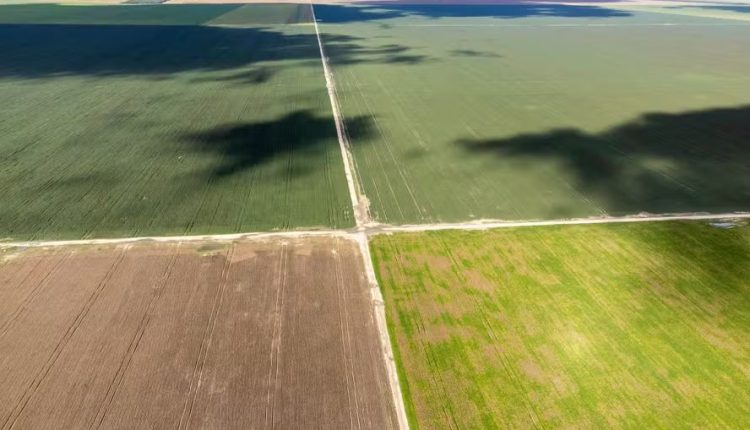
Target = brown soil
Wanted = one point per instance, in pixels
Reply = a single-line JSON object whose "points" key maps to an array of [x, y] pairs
{"points": [[252, 335]]}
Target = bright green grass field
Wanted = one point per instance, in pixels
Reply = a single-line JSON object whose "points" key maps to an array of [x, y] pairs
{"points": [[616, 326], [167, 119], [545, 111]]}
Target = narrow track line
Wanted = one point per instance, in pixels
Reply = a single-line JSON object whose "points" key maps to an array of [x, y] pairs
{"points": [[360, 210], [374, 229], [135, 341], [41, 375], [166, 239], [196, 379], [362, 218], [378, 302], [593, 25], [493, 224]]}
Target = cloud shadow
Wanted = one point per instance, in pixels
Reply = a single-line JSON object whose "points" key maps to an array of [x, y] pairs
{"points": [[685, 162], [158, 51], [391, 10], [244, 146]]}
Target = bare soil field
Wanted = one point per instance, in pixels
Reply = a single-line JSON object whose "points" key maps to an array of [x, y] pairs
{"points": [[251, 334]]}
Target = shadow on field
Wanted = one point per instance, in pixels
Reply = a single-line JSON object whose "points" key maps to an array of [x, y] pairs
{"points": [[474, 53], [53, 50], [396, 9], [244, 146], [687, 162], [728, 8]]}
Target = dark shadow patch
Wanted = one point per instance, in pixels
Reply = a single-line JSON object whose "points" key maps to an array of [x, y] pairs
{"points": [[392, 10], [51, 50], [144, 1], [245, 146], [257, 75], [345, 50], [474, 53], [405, 59], [728, 8], [694, 161]]}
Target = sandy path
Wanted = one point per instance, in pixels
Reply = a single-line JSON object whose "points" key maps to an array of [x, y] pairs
{"points": [[359, 202], [374, 228]]}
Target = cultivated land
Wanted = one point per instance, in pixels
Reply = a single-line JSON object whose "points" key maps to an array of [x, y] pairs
{"points": [[193, 119], [161, 120], [543, 111], [269, 334], [638, 325]]}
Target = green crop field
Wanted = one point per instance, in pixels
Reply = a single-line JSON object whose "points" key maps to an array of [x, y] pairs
{"points": [[624, 325], [544, 111], [740, 12], [167, 119]]}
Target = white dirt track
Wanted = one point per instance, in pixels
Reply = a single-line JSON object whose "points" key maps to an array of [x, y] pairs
{"points": [[375, 229]]}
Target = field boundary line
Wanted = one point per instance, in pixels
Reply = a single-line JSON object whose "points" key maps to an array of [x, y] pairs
{"points": [[656, 24], [359, 206], [166, 239], [376, 229], [362, 219], [376, 296], [495, 224]]}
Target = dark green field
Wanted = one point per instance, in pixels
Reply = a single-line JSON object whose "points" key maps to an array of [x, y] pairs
{"points": [[168, 119], [545, 111], [616, 326]]}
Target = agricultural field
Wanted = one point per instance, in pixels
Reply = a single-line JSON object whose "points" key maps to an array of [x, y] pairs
{"points": [[186, 118], [164, 120], [543, 111], [639, 325], [250, 334], [738, 11]]}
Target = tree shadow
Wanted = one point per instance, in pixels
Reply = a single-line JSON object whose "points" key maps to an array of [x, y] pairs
{"points": [[244, 146], [687, 162], [500, 10], [157, 51]]}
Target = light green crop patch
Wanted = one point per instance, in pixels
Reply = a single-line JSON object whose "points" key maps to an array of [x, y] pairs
{"points": [[609, 326]]}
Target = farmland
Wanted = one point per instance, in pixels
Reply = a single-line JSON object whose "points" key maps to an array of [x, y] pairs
{"points": [[252, 334], [544, 111], [364, 215], [173, 119], [638, 325]]}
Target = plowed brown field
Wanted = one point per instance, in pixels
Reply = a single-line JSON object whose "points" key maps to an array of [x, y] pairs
{"points": [[237, 335]]}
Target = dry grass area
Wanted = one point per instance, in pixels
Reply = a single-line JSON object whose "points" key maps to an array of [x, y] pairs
{"points": [[212, 335]]}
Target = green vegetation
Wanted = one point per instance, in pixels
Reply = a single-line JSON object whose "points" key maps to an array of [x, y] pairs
{"points": [[140, 120], [625, 325], [722, 11], [112, 15], [545, 111]]}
